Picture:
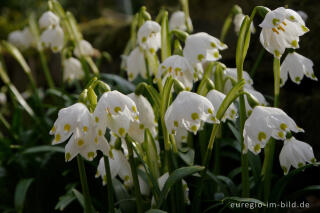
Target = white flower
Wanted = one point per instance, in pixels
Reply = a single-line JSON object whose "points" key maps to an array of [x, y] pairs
{"points": [[201, 47], [83, 48], [136, 64], [76, 121], [237, 20], [297, 66], [53, 37], [281, 29], [187, 111], [216, 98], [295, 153], [3, 98], [179, 68], [21, 39], [72, 70], [149, 36], [178, 21], [146, 118], [48, 19], [266, 122], [119, 165], [115, 111]]}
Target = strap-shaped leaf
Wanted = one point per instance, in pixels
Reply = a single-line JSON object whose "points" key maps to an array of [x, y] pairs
{"points": [[20, 193]]}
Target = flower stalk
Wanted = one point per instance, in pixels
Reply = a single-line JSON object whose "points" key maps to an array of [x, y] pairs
{"points": [[109, 185]]}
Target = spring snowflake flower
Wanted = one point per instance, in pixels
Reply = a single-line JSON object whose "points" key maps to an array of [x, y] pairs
{"points": [[76, 121], [84, 48], [53, 37], [266, 122], [201, 47], [136, 64], [281, 29], [48, 19], [295, 153], [72, 70], [187, 111], [216, 98], [146, 118], [179, 68], [149, 36], [178, 21], [115, 111], [21, 39], [296, 66], [237, 20]]}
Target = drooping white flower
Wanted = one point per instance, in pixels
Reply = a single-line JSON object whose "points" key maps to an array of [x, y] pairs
{"points": [[83, 48], [146, 118], [72, 70], [237, 21], [296, 66], [53, 37], [76, 121], [216, 98], [295, 153], [179, 68], [187, 111], [48, 19], [178, 21], [281, 29], [266, 122], [149, 36], [136, 64], [3, 98], [119, 166], [21, 39], [201, 47], [115, 111]]}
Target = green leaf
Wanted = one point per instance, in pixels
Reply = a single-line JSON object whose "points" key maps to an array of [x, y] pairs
{"points": [[37, 149], [155, 211], [187, 157], [151, 154], [20, 193], [79, 197], [174, 177], [165, 37], [64, 201], [117, 82], [123, 197], [304, 190], [228, 200]]}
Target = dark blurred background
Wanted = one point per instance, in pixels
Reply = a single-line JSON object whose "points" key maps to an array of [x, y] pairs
{"points": [[301, 102]]}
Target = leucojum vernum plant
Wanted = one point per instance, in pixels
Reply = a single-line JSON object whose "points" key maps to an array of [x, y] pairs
{"points": [[157, 148]]}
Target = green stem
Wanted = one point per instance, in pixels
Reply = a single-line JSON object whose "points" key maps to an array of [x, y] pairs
{"points": [[84, 184], [257, 62], [134, 177], [270, 147], [109, 184], [45, 69]]}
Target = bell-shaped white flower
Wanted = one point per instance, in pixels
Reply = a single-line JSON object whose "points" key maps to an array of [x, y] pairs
{"points": [[187, 111], [48, 19], [216, 98], [119, 166], [136, 64], [237, 21], [296, 66], [83, 48], [149, 36], [72, 70], [266, 122], [3, 98], [179, 68], [281, 29], [295, 153], [146, 118], [76, 121], [178, 21], [53, 37], [21, 39], [201, 47], [115, 111]]}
